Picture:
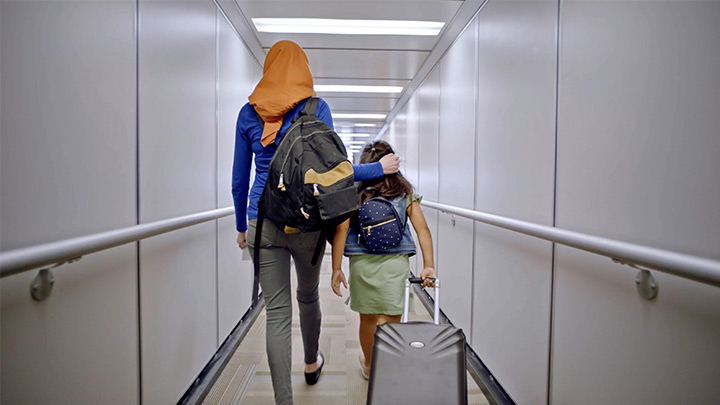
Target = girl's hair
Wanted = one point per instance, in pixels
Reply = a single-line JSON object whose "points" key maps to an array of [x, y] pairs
{"points": [[388, 186]]}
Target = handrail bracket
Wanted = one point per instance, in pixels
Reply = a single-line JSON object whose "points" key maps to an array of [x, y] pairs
{"points": [[647, 286], [42, 285]]}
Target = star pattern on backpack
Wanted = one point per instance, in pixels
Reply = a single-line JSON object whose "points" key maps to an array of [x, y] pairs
{"points": [[381, 227]]}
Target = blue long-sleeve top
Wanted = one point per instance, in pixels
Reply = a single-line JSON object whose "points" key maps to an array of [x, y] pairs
{"points": [[247, 141]]}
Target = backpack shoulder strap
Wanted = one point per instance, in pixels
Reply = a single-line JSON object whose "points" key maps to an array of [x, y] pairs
{"points": [[404, 206], [256, 250], [310, 107]]}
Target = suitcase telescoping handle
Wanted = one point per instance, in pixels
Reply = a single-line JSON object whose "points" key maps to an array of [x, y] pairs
{"points": [[406, 304]]}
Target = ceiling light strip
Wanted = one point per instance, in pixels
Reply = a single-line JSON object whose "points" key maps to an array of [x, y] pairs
{"points": [[358, 116], [341, 88], [347, 27], [344, 135]]}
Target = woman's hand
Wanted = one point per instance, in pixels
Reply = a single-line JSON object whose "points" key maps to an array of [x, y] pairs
{"points": [[241, 241], [390, 163], [426, 275], [338, 277]]}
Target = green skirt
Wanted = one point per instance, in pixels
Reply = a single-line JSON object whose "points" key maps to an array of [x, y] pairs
{"points": [[377, 283]]}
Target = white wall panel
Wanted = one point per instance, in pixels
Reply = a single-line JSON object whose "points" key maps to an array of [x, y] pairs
{"points": [[389, 135], [400, 139], [515, 161], [456, 145], [66, 349], [178, 163], [428, 95], [457, 174], [176, 108], [235, 278], [399, 135], [67, 168], [637, 161], [179, 310], [409, 164], [237, 73], [68, 133]]}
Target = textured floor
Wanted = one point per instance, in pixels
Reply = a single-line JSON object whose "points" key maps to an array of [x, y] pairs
{"points": [[246, 378]]}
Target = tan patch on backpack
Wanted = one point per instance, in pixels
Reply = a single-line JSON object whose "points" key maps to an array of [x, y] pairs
{"points": [[339, 172]]}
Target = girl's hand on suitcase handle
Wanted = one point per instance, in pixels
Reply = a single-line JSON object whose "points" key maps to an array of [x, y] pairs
{"points": [[428, 276], [338, 277], [419, 280]]}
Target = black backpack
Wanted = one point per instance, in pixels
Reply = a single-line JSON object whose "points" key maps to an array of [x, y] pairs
{"points": [[380, 225], [310, 182]]}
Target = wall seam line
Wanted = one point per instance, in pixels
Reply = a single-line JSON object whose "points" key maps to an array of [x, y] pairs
{"points": [[437, 149], [475, 173], [217, 174], [553, 257], [136, 23]]}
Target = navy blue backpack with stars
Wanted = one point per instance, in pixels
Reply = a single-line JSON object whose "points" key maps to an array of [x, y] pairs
{"points": [[380, 224]]}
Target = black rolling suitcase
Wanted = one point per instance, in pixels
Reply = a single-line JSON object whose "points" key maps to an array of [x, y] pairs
{"points": [[418, 362]]}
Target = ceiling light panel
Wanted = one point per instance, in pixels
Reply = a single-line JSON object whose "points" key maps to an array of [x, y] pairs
{"points": [[342, 88], [354, 135], [358, 116], [347, 27]]}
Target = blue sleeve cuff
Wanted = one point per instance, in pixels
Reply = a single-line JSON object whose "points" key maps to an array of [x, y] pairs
{"points": [[367, 171]]}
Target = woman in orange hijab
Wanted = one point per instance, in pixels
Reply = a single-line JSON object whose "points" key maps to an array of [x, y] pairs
{"points": [[278, 98]]}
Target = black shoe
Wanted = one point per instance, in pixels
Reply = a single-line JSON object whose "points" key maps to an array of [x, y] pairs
{"points": [[312, 378]]}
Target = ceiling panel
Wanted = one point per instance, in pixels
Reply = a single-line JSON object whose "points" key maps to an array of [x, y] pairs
{"points": [[342, 125], [333, 63], [441, 11], [350, 104], [346, 130], [357, 59]]}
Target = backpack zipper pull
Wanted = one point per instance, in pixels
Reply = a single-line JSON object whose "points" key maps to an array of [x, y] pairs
{"points": [[281, 184], [317, 192], [305, 214]]}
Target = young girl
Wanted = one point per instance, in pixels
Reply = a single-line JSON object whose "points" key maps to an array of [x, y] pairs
{"points": [[377, 281]]}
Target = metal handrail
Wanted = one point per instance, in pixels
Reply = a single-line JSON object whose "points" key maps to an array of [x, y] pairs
{"points": [[687, 266], [24, 259]]}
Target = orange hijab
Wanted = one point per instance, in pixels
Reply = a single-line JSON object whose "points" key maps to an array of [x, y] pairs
{"points": [[286, 81]]}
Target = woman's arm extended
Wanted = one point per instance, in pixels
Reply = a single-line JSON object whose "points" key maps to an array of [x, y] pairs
{"points": [[338, 247], [425, 240], [388, 164], [242, 161]]}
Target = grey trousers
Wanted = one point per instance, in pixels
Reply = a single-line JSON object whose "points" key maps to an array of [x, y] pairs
{"points": [[276, 249]]}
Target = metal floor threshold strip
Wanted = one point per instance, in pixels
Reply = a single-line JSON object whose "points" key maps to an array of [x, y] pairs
{"points": [[204, 383]]}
